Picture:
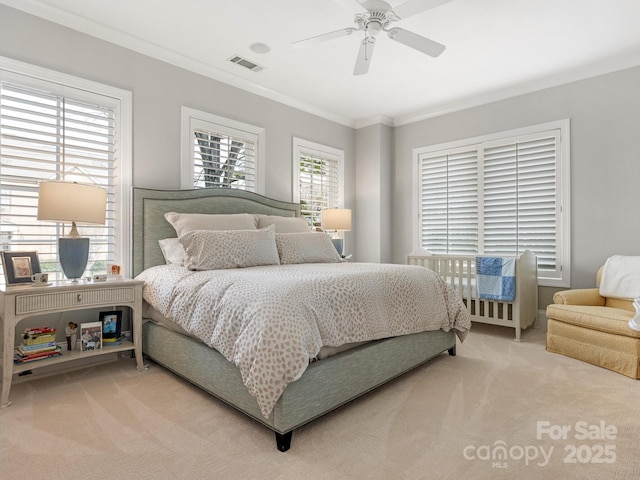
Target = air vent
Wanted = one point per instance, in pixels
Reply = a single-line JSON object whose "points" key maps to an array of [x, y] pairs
{"points": [[243, 62]]}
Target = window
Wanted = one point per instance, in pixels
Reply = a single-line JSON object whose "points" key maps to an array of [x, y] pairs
{"points": [[318, 178], [218, 152], [58, 127], [499, 195]]}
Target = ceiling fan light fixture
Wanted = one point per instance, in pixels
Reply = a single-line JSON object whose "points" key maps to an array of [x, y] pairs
{"points": [[373, 28]]}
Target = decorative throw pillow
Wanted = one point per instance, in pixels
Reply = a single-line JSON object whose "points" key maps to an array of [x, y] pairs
{"points": [[312, 247], [621, 277], [284, 224], [173, 251], [219, 249], [188, 222]]}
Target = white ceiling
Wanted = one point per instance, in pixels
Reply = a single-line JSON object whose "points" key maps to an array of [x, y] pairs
{"points": [[495, 48]]}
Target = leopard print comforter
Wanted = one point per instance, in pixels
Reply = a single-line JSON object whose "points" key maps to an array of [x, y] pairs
{"points": [[270, 321]]}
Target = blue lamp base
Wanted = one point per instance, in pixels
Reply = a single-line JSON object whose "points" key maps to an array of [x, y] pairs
{"points": [[74, 254], [339, 244]]}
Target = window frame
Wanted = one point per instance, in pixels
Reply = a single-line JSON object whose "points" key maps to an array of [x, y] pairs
{"points": [[41, 77], [563, 188], [300, 146], [191, 117]]}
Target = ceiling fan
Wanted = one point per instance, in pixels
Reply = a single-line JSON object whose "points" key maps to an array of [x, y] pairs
{"points": [[377, 16]]}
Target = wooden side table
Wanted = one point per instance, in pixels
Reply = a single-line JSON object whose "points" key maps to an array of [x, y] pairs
{"points": [[20, 302]]}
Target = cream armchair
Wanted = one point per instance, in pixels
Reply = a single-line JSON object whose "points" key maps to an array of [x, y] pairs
{"points": [[585, 325]]}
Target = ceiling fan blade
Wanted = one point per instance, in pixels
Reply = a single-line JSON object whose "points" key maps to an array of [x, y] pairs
{"points": [[374, 5], [350, 5], [324, 37], [413, 40], [412, 7], [364, 56]]}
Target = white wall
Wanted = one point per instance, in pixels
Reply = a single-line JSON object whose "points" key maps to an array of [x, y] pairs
{"points": [[372, 226], [159, 91], [605, 163], [604, 113]]}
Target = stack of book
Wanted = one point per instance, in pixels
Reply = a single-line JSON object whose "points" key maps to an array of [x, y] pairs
{"points": [[37, 344], [113, 340]]}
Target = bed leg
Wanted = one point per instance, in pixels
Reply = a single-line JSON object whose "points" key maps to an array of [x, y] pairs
{"points": [[452, 351], [283, 440]]}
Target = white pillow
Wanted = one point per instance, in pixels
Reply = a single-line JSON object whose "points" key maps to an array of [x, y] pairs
{"points": [[312, 247], [284, 224], [188, 222], [621, 277], [173, 251], [219, 249]]}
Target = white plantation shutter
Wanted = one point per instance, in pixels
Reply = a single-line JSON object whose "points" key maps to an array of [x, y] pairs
{"points": [[520, 198], [224, 159], [449, 201], [498, 197], [54, 134], [220, 152], [317, 178], [319, 185]]}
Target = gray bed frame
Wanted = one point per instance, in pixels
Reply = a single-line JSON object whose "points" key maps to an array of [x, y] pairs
{"points": [[325, 385]]}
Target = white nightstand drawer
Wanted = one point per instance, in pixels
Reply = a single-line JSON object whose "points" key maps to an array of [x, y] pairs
{"points": [[39, 302]]}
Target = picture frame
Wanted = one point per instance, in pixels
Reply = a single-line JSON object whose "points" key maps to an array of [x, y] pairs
{"points": [[111, 323], [18, 267], [90, 336]]}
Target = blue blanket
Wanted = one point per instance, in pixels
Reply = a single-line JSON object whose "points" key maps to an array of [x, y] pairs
{"points": [[496, 277]]}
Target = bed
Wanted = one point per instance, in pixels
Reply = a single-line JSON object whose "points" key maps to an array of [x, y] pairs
{"points": [[324, 384]]}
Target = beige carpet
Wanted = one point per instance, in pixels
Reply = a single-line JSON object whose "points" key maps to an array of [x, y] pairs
{"points": [[442, 421]]}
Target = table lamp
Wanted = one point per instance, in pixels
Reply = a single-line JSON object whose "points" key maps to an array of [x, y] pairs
{"points": [[72, 202], [338, 220]]}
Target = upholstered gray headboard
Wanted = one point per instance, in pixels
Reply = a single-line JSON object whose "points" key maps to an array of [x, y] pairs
{"points": [[149, 207]]}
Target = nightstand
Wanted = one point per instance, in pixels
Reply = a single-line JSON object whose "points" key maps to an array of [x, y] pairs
{"points": [[20, 302]]}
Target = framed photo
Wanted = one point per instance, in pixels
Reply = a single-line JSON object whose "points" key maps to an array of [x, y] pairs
{"points": [[90, 336], [19, 266], [111, 323]]}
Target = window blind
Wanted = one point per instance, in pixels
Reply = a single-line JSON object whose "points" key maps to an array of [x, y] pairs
{"points": [[493, 198], [224, 160], [319, 184], [449, 201], [520, 199], [48, 136]]}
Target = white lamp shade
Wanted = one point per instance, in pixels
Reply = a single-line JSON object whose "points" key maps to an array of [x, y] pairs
{"points": [[336, 219], [71, 202]]}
